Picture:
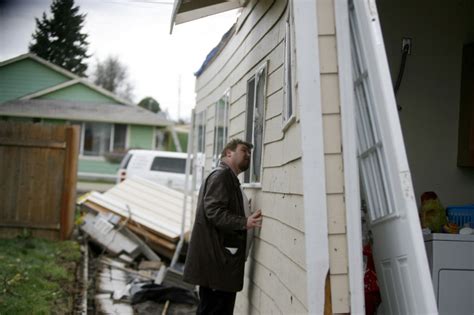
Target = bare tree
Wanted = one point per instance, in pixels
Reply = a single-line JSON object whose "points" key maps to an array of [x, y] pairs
{"points": [[112, 75]]}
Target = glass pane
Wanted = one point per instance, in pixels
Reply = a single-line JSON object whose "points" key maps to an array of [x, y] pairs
{"points": [[120, 135], [220, 128], [372, 160], [250, 107], [249, 118], [258, 126], [96, 138], [168, 164], [200, 131]]}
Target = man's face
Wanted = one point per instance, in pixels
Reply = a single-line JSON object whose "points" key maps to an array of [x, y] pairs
{"points": [[240, 158]]}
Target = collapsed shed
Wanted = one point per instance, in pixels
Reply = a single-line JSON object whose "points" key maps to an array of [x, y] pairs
{"points": [[152, 211]]}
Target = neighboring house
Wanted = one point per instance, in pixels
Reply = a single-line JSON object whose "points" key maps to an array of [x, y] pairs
{"points": [[35, 90], [309, 84]]}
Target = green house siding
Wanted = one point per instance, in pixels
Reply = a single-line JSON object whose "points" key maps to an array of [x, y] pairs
{"points": [[141, 137], [25, 77], [97, 167], [183, 142], [78, 92]]}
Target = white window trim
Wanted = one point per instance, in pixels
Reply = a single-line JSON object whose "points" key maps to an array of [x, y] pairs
{"points": [[127, 137], [252, 185], [153, 141], [204, 133], [351, 168], [288, 123], [112, 138], [226, 97], [81, 148], [264, 68], [289, 61]]}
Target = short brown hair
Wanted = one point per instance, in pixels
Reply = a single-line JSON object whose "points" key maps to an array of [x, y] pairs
{"points": [[232, 145]]}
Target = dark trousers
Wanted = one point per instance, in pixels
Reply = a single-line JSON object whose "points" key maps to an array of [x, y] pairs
{"points": [[215, 302]]}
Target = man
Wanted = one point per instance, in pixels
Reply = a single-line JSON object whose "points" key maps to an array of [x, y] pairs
{"points": [[217, 252]]}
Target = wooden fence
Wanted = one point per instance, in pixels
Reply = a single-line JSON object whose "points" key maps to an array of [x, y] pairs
{"points": [[38, 170]]}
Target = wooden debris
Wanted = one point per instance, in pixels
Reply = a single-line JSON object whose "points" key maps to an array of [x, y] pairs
{"points": [[104, 233], [149, 265]]}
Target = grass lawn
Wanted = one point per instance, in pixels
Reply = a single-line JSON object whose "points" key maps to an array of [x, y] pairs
{"points": [[37, 276]]}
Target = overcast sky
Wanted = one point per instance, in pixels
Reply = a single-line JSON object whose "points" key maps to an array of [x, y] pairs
{"points": [[137, 31]]}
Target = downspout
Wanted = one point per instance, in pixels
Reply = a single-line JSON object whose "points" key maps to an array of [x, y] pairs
{"points": [[351, 168], [187, 191], [314, 178]]}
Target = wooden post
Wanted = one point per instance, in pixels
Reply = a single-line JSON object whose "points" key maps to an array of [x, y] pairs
{"points": [[69, 184], [327, 296]]}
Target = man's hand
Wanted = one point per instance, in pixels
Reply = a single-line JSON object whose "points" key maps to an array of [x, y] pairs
{"points": [[254, 220]]}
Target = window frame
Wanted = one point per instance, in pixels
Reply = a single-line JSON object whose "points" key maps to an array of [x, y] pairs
{"points": [[261, 72], [377, 174], [111, 144], [202, 115], [216, 151], [289, 73], [112, 137]]}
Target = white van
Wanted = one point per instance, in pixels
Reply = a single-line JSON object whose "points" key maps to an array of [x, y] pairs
{"points": [[162, 167]]}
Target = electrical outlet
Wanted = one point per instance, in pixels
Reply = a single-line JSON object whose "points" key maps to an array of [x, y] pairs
{"points": [[406, 41]]}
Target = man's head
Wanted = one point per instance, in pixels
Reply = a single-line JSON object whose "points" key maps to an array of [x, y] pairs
{"points": [[236, 154]]}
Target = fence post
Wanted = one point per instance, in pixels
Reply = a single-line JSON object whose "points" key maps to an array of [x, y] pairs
{"points": [[69, 184]]}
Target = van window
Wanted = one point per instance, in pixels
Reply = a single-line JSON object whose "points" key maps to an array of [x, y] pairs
{"points": [[126, 159], [169, 164]]}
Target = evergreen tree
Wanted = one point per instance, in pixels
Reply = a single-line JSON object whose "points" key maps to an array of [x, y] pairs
{"points": [[59, 39], [150, 103]]}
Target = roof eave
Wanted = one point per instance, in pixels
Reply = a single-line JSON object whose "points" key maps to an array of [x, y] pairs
{"points": [[198, 9]]}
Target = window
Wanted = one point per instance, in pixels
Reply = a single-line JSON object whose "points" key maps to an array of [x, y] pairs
{"points": [[125, 161], [371, 150], [199, 145], [120, 136], [169, 164], [256, 90], [288, 110], [96, 138], [200, 131], [100, 138], [220, 127]]}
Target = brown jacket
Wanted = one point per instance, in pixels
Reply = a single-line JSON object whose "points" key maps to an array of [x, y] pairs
{"points": [[220, 223]]}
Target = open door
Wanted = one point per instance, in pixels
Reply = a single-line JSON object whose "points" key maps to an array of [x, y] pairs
{"points": [[398, 248]]}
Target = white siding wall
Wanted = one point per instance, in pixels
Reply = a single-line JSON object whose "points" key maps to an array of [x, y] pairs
{"points": [[338, 262], [275, 279]]}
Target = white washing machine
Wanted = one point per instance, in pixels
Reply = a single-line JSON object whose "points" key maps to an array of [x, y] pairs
{"points": [[451, 260]]}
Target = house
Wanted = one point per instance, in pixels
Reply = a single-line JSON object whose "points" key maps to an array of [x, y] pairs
{"points": [[309, 83], [35, 90]]}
